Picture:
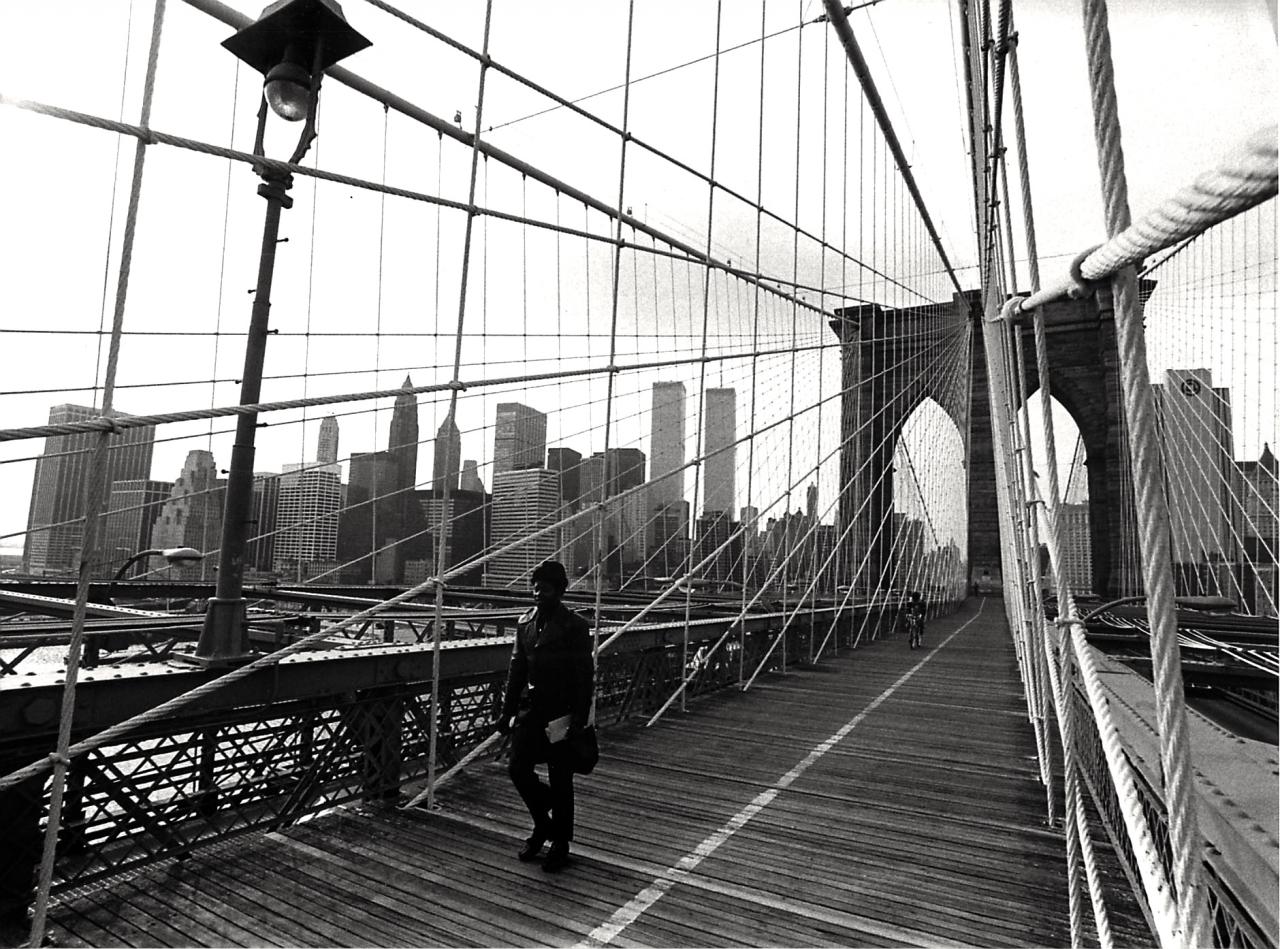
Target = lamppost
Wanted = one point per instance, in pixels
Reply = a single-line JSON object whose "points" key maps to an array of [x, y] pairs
{"points": [[171, 555], [292, 43]]}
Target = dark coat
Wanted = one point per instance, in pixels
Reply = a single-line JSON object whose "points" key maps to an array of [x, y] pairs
{"points": [[555, 664]]}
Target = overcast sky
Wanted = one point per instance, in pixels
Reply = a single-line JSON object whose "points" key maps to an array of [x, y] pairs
{"points": [[1193, 78]]}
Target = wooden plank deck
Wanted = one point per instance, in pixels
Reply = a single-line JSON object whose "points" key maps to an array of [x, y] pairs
{"points": [[886, 797]]}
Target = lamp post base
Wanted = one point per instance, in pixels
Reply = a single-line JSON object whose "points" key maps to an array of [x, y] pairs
{"points": [[224, 641]]}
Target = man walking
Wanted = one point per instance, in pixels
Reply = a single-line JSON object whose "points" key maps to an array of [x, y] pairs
{"points": [[548, 702]]}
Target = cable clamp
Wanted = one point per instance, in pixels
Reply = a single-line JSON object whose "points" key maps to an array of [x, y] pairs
{"points": [[147, 136], [113, 425], [1081, 288], [57, 759], [457, 385], [1008, 311]]}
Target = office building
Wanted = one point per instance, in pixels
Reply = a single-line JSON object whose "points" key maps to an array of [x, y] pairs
{"points": [[519, 438], [192, 516], [447, 460], [260, 548], [59, 487], [666, 445], [470, 480], [465, 529], [307, 520], [1194, 422], [370, 519], [132, 510], [712, 546], [403, 442], [719, 469], [524, 501], [1077, 554], [327, 446], [568, 463]]}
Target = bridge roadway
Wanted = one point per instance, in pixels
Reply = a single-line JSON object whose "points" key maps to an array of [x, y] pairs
{"points": [[884, 797]]}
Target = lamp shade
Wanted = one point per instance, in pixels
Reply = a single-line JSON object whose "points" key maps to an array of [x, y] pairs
{"points": [[264, 43]]}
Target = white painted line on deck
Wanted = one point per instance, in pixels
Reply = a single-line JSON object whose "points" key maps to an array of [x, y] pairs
{"points": [[624, 916]]}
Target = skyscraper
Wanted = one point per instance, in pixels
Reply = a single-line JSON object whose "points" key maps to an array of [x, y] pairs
{"points": [[371, 519], [524, 501], [403, 444], [260, 548], [1193, 419], [132, 510], [327, 447], [61, 478], [720, 467], [666, 444], [448, 455], [668, 528], [192, 517], [470, 480], [466, 528], [519, 438], [568, 463], [307, 515]]}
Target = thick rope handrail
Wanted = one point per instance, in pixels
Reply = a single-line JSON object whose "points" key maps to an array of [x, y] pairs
{"points": [[1152, 506], [1155, 882], [1079, 843], [1244, 178]]}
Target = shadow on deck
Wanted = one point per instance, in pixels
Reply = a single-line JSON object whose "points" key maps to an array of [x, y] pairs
{"points": [[885, 797]]}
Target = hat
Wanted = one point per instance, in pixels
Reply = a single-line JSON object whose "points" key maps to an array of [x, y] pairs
{"points": [[553, 572]]}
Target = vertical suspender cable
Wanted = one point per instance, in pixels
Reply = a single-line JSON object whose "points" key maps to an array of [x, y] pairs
{"points": [[607, 476], [438, 620], [1152, 507], [702, 372], [752, 541], [95, 490], [795, 313]]}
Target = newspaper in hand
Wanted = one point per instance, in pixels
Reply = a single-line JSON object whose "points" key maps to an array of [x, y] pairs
{"points": [[558, 729]]}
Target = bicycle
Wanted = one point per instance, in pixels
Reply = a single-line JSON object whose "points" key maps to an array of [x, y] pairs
{"points": [[915, 630]]}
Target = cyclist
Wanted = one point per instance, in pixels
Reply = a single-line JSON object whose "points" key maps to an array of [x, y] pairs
{"points": [[913, 613]]}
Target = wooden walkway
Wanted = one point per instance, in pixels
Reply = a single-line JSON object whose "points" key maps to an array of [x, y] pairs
{"points": [[886, 797]]}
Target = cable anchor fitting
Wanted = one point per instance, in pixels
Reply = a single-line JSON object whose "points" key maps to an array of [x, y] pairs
{"points": [[1081, 287]]}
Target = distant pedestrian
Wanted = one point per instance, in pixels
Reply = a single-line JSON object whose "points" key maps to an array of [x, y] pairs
{"points": [[547, 705], [913, 614]]}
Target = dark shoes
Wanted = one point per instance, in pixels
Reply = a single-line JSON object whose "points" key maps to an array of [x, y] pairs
{"points": [[557, 857], [532, 847]]}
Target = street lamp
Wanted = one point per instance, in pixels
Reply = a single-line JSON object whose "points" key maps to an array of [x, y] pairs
{"points": [[171, 555], [292, 43]]}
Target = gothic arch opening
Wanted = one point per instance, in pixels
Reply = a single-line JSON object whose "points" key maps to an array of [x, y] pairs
{"points": [[930, 502], [1073, 489]]}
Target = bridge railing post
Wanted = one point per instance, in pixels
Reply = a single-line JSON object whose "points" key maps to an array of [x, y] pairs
{"points": [[21, 809]]}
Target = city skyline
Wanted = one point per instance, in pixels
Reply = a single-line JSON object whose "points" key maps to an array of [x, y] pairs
{"points": [[305, 510]]}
